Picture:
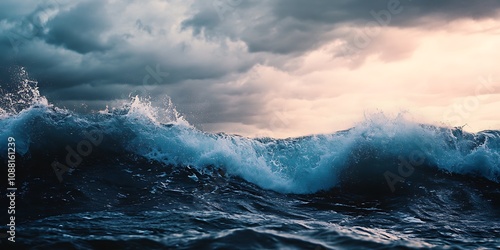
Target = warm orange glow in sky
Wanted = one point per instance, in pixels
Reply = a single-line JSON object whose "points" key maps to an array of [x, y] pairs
{"points": [[261, 68], [446, 75]]}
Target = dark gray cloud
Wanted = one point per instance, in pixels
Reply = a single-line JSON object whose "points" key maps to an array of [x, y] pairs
{"points": [[95, 51], [88, 43], [81, 28], [296, 26]]}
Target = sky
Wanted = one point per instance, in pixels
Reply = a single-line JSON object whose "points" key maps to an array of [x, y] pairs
{"points": [[280, 68]]}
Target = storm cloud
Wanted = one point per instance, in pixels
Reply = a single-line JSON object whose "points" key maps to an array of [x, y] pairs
{"points": [[227, 64]]}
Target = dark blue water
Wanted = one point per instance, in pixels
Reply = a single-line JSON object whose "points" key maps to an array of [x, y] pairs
{"points": [[135, 178]]}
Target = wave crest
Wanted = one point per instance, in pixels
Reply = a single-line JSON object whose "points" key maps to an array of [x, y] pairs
{"points": [[362, 156]]}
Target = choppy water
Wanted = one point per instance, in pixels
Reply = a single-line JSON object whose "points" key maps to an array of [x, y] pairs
{"points": [[136, 178]]}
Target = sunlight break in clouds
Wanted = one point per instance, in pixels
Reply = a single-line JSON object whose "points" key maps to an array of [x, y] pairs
{"points": [[258, 68]]}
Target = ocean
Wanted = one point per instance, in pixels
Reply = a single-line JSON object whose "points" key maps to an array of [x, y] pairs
{"points": [[137, 178]]}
